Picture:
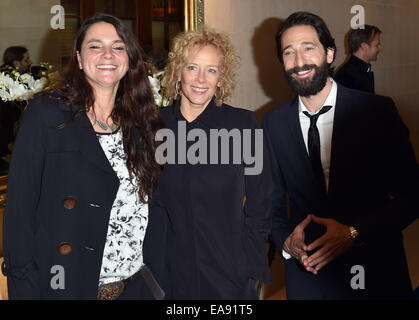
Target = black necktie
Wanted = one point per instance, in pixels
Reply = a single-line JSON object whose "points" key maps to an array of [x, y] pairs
{"points": [[314, 146]]}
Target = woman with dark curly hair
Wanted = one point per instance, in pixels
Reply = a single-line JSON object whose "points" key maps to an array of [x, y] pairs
{"points": [[79, 222], [217, 243]]}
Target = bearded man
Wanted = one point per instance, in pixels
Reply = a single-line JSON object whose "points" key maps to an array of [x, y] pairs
{"points": [[345, 161], [364, 46]]}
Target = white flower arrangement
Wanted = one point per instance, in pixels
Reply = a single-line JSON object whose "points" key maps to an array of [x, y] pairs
{"points": [[156, 86], [17, 89], [20, 87]]}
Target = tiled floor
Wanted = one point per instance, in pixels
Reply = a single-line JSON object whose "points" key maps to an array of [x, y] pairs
{"points": [[280, 295], [3, 285]]}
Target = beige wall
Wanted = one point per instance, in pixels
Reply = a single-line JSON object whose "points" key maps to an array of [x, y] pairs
{"points": [[27, 23], [252, 26], [261, 86]]}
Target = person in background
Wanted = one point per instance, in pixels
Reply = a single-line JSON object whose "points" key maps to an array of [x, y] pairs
{"points": [[17, 57], [217, 242], [79, 222], [364, 46]]}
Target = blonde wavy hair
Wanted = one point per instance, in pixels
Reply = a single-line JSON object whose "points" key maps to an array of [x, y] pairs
{"points": [[188, 41]]}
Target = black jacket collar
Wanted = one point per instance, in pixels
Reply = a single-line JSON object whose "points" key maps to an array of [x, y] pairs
{"points": [[360, 64], [210, 117]]}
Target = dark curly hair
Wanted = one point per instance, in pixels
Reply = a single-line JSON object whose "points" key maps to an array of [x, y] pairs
{"points": [[308, 19], [134, 104], [13, 54]]}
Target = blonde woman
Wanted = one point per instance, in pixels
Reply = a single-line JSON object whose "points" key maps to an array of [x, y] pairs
{"points": [[217, 244]]}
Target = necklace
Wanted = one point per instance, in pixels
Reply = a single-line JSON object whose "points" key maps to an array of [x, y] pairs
{"points": [[103, 125]]}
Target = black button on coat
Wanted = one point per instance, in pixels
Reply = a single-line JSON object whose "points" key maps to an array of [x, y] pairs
{"points": [[61, 189]]}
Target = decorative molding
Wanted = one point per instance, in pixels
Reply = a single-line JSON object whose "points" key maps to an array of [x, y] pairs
{"points": [[194, 14]]}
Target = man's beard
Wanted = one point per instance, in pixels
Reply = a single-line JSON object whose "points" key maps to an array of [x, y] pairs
{"points": [[308, 87]]}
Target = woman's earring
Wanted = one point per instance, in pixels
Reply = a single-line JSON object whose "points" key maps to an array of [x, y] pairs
{"points": [[177, 89], [219, 97]]}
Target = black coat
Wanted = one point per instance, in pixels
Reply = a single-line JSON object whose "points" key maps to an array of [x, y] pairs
{"points": [[9, 116], [52, 168], [373, 186], [217, 245], [356, 74]]}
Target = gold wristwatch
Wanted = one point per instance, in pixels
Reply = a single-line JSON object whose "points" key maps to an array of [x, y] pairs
{"points": [[353, 232]]}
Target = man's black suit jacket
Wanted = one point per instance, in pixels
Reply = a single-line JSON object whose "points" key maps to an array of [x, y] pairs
{"points": [[373, 186], [356, 74]]}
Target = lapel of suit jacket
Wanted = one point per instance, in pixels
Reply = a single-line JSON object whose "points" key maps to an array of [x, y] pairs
{"points": [[89, 144], [302, 154], [339, 131]]}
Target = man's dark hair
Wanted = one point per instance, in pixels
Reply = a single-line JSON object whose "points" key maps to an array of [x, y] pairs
{"points": [[13, 54], [308, 19], [358, 36]]}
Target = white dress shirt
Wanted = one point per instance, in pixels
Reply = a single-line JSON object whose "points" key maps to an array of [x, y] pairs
{"points": [[325, 127]]}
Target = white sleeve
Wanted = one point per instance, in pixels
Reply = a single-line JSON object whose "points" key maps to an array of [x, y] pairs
{"points": [[286, 255]]}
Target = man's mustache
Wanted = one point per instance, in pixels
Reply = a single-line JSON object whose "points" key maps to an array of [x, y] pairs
{"points": [[305, 67]]}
